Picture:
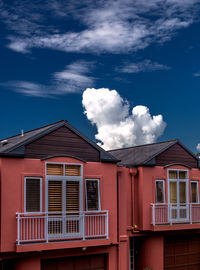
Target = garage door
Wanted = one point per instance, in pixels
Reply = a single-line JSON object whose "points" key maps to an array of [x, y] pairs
{"points": [[94, 262], [182, 253]]}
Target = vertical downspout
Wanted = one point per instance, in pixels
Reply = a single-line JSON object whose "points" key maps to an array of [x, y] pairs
{"points": [[133, 172], [118, 218]]}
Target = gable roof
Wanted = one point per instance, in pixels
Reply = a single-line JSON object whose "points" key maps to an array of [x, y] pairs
{"points": [[144, 154], [15, 144]]}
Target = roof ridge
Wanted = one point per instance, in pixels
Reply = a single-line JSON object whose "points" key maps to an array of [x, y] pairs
{"points": [[174, 140], [19, 141], [34, 129]]}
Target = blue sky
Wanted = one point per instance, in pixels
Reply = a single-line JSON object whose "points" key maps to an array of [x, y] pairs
{"points": [[149, 52]]}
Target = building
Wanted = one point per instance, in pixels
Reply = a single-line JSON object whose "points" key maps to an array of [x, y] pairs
{"points": [[68, 204], [58, 201], [159, 207]]}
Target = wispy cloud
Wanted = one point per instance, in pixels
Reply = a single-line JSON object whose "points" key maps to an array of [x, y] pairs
{"points": [[106, 26], [28, 88], [143, 66], [73, 79], [197, 74]]}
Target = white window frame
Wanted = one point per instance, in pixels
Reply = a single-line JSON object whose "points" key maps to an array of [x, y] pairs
{"points": [[197, 182], [163, 181], [32, 177], [64, 179], [178, 180], [99, 199]]}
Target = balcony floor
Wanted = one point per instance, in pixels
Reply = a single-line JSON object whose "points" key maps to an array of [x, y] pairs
{"points": [[62, 245], [174, 227]]}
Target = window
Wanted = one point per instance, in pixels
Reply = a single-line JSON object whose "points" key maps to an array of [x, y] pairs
{"points": [[33, 194], [194, 192], [160, 191], [178, 195], [63, 187], [178, 174], [63, 191], [178, 186], [63, 169], [92, 194]]}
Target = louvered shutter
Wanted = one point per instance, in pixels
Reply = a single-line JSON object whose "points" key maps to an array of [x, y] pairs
{"points": [[54, 169], [72, 170], [72, 196], [55, 196], [32, 195], [92, 195], [72, 205]]}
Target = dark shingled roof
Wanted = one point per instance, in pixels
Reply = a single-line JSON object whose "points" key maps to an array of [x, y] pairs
{"points": [[141, 154], [11, 148]]}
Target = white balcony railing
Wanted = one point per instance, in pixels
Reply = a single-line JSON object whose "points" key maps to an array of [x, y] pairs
{"points": [[55, 226], [175, 213]]}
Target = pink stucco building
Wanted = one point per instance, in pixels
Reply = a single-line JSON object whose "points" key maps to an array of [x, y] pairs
{"points": [[58, 201], [68, 204], [159, 209]]}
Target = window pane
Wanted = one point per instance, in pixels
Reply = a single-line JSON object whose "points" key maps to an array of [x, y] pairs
{"points": [[182, 192], [194, 193], [72, 170], [72, 205], [92, 195], [173, 192], [32, 195], [54, 169], [183, 213], [159, 192], [55, 196], [172, 174], [182, 175], [72, 196], [174, 213]]}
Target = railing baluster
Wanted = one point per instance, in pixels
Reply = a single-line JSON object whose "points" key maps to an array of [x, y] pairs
{"points": [[153, 212], [107, 224], [100, 225], [18, 229], [88, 226], [36, 228], [23, 224], [47, 227], [21, 229], [83, 226]]}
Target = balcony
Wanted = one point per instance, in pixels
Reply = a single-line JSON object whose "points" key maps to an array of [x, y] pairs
{"points": [[65, 226], [169, 214]]}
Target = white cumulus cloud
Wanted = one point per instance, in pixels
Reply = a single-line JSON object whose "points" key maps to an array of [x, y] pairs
{"points": [[116, 126]]}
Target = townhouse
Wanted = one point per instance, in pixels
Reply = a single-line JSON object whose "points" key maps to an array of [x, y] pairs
{"points": [[159, 206], [68, 204], [58, 201]]}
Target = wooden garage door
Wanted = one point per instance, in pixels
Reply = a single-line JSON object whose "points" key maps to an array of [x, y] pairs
{"points": [[94, 262], [182, 253]]}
